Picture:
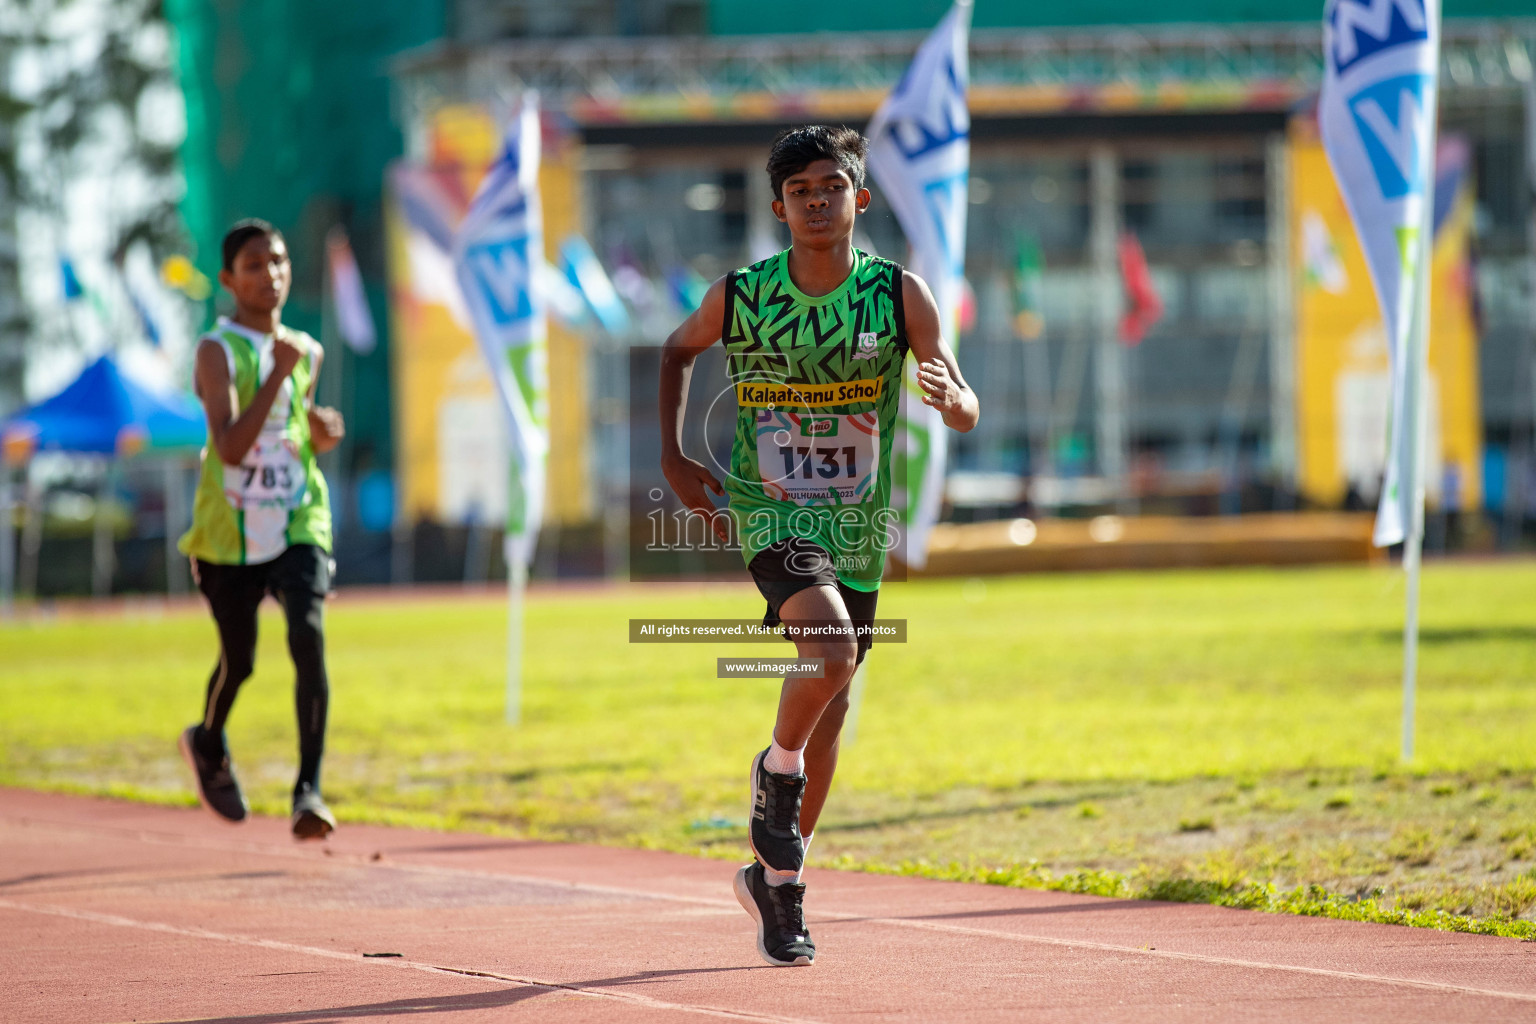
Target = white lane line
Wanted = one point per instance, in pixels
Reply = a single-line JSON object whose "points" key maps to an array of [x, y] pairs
{"points": [[576, 988], [307, 855], [825, 915], [1202, 958]]}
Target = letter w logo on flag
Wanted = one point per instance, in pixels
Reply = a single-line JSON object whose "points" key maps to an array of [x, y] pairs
{"points": [[502, 273], [1390, 117]]}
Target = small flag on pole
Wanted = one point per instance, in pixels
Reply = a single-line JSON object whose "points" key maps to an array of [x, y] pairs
{"points": [[920, 155], [1145, 305], [146, 318], [1028, 278], [562, 296], [587, 273], [686, 287], [69, 280], [354, 321]]}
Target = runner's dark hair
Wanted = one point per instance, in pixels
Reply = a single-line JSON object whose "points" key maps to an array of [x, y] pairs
{"points": [[243, 231], [795, 149]]}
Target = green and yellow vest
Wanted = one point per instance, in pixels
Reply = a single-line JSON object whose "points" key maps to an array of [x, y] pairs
{"points": [[276, 497], [817, 383]]}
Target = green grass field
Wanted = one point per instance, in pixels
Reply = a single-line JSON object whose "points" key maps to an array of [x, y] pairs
{"points": [[1229, 736]]}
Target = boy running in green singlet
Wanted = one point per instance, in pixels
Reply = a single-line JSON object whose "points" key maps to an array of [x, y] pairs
{"points": [[816, 338], [261, 520]]}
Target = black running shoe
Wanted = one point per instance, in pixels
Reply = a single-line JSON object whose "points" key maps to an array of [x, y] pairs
{"points": [[782, 938], [311, 818], [217, 788], [774, 832]]}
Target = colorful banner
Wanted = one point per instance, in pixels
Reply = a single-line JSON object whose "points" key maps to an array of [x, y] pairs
{"points": [[920, 155], [1376, 114], [1343, 368], [450, 467], [497, 253]]}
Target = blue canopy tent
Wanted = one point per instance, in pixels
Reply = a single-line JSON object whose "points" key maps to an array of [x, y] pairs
{"points": [[102, 412]]}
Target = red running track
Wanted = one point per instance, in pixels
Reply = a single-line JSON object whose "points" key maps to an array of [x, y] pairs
{"points": [[114, 911]]}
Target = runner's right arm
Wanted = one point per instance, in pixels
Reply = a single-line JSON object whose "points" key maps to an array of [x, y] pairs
{"points": [[233, 435], [687, 477]]}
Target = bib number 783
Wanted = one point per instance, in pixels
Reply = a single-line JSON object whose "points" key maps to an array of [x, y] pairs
{"points": [[272, 478]]}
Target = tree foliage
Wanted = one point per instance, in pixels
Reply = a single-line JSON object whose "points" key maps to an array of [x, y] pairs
{"points": [[87, 68], [87, 95]]}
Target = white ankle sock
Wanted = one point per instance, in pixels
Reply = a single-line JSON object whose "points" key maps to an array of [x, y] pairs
{"points": [[778, 878], [774, 878], [784, 762]]}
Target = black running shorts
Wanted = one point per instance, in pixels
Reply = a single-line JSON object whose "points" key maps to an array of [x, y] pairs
{"points": [[783, 569], [301, 572]]}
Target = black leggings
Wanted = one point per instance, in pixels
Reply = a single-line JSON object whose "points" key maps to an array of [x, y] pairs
{"points": [[299, 579]]}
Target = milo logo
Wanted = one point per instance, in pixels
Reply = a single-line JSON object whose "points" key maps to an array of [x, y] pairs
{"points": [[818, 427]]}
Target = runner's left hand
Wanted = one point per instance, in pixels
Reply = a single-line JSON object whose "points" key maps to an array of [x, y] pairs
{"points": [[939, 388], [326, 428]]}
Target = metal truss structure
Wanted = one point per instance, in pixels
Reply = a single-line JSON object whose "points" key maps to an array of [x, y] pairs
{"points": [[1477, 56]]}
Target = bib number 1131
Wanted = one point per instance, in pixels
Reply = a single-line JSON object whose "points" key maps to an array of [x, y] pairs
{"points": [[804, 458], [817, 460]]}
